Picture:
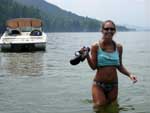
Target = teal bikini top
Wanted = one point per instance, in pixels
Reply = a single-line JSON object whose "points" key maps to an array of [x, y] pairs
{"points": [[107, 58]]}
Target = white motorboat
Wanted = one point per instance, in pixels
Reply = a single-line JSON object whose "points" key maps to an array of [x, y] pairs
{"points": [[23, 34]]}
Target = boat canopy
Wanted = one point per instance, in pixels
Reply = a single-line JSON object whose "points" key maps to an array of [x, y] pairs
{"points": [[23, 22]]}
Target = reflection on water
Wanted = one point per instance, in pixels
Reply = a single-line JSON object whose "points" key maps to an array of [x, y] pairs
{"points": [[113, 108], [87, 101], [28, 64], [110, 108], [127, 108]]}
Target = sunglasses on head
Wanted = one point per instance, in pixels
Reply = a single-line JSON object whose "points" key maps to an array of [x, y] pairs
{"points": [[109, 28]]}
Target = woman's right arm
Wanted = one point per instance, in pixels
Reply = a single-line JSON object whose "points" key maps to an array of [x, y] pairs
{"points": [[92, 59]]}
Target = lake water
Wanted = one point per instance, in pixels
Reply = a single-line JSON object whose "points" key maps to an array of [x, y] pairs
{"points": [[45, 82]]}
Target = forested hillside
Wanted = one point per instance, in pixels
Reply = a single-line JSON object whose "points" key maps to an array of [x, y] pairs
{"points": [[54, 18]]}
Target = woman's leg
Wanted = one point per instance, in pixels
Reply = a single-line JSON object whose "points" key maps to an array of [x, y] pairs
{"points": [[99, 98], [113, 94]]}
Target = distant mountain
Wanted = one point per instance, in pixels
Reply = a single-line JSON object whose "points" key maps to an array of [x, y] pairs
{"points": [[58, 13], [137, 28], [44, 6], [59, 20], [55, 19]]}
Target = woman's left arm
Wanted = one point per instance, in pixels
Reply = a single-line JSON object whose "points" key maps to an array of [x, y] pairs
{"points": [[121, 68]]}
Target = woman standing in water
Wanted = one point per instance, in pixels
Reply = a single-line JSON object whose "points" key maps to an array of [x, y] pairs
{"points": [[106, 58]]}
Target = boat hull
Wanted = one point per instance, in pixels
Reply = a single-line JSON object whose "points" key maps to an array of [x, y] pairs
{"points": [[24, 47]]}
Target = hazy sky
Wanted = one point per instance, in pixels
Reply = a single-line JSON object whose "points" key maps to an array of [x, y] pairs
{"points": [[132, 12]]}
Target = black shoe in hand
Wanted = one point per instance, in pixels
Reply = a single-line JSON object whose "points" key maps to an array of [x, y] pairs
{"points": [[80, 56]]}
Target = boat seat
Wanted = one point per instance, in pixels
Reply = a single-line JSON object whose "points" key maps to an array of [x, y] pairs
{"points": [[14, 32], [36, 33]]}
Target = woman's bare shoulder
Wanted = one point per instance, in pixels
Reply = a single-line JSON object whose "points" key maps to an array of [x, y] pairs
{"points": [[119, 47], [95, 45], [119, 44]]}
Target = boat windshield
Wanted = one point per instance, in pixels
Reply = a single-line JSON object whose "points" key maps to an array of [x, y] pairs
{"points": [[26, 29], [29, 29]]}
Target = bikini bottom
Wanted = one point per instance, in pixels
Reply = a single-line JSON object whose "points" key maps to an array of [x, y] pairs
{"points": [[107, 87]]}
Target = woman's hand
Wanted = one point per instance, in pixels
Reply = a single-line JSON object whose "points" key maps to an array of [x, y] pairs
{"points": [[85, 51], [133, 78]]}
